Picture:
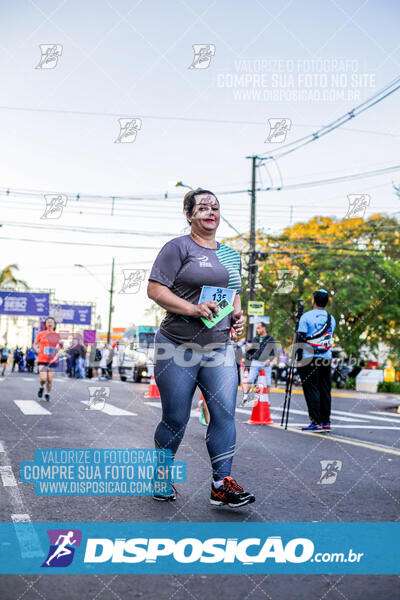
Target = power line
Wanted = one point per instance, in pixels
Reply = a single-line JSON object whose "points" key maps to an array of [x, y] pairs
{"points": [[354, 112], [354, 176], [174, 118], [77, 196], [94, 230], [2, 237]]}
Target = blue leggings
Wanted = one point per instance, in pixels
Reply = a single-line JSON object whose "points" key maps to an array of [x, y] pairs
{"points": [[177, 372]]}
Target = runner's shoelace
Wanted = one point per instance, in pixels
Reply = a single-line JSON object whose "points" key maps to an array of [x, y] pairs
{"points": [[175, 490], [231, 484]]}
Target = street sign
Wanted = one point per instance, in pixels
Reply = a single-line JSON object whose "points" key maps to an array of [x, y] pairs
{"points": [[255, 308], [253, 320]]}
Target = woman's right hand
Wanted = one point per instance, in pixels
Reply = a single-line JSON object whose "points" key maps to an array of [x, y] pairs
{"points": [[206, 309]]}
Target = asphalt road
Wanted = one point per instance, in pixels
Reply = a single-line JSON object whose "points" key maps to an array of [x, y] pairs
{"points": [[281, 467]]}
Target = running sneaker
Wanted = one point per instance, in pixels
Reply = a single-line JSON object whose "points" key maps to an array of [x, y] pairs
{"points": [[326, 426], [247, 397], [169, 498], [312, 427], [230, 494], [40, 392], [47, 397]]}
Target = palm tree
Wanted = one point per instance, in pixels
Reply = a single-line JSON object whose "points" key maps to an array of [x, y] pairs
{"points": [[155, 311], [8, 279]]}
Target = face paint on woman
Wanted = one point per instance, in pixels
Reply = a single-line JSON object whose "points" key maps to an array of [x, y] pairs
{"points": [[206, 212]]}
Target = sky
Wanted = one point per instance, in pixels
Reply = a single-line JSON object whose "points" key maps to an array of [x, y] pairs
{"points": [[302, 61]]}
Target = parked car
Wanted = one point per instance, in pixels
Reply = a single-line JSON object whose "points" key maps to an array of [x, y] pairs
{"points": [[134, 364], [279, 372], [341, 369]]}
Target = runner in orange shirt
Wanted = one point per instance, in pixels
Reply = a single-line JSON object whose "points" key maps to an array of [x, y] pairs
{"points": [[46, 344]]}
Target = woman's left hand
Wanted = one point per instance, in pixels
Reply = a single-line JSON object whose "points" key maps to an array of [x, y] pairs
{"points": [[238, 322]]}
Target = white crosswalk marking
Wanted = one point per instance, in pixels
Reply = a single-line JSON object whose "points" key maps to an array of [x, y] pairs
{"points": [[335, 426], [364, 426], [113, 411], [31, 407], [193, 412], [367, 416], [392, 414], [27, 536], [393, 418], [7, 476], [295, 411]]}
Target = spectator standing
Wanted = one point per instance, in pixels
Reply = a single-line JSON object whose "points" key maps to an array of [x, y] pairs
{"points": [[4, 352], [110, 361], [30, 359], [103, 362], [16, 358]]}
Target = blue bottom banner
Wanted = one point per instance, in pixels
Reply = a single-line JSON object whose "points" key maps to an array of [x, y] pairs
{"points": [[200, 547]]}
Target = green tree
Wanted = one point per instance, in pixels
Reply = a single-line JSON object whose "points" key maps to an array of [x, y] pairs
{"points": [[356, 260]]}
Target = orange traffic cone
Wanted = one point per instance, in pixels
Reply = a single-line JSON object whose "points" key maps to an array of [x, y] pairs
{"points": [[261, 415], [240, 386], [153, 391], [200, 401], [245, 378]]}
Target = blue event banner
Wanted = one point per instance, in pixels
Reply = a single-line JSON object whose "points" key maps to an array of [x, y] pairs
{"points": [[200, 547], [72, 314], [24, 303]]}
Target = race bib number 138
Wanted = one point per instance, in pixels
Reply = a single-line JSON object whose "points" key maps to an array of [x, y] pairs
{"points": [[210, 293]]}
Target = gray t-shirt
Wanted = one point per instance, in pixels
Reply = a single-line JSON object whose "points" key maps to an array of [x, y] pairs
{"points": [[184, 267]]}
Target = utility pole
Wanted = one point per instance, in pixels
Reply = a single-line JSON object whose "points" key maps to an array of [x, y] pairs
{"points": [[111, 306], [252, 266]]}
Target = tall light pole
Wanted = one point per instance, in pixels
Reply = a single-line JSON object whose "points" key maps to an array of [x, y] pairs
{"points": [[110, 291], [253, 262], [181, 184], [252, 266], [111, 306]]}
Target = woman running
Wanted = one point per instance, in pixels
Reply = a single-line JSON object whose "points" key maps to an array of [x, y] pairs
{"points": [[46, 344], [188, 353]]}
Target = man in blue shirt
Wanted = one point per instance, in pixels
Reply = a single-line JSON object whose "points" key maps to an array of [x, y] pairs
{"points": [[30, 359], [314, 337]]}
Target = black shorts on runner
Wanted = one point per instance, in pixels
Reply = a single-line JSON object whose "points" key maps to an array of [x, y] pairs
{"points": [[51, 366]]}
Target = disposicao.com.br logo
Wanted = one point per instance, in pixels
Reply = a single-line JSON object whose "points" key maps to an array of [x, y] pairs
{"points": [[62, 547], [200, 547], [247, 551]]}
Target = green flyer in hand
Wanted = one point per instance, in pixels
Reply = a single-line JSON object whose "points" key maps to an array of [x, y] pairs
{"points": [[225, 308]]}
